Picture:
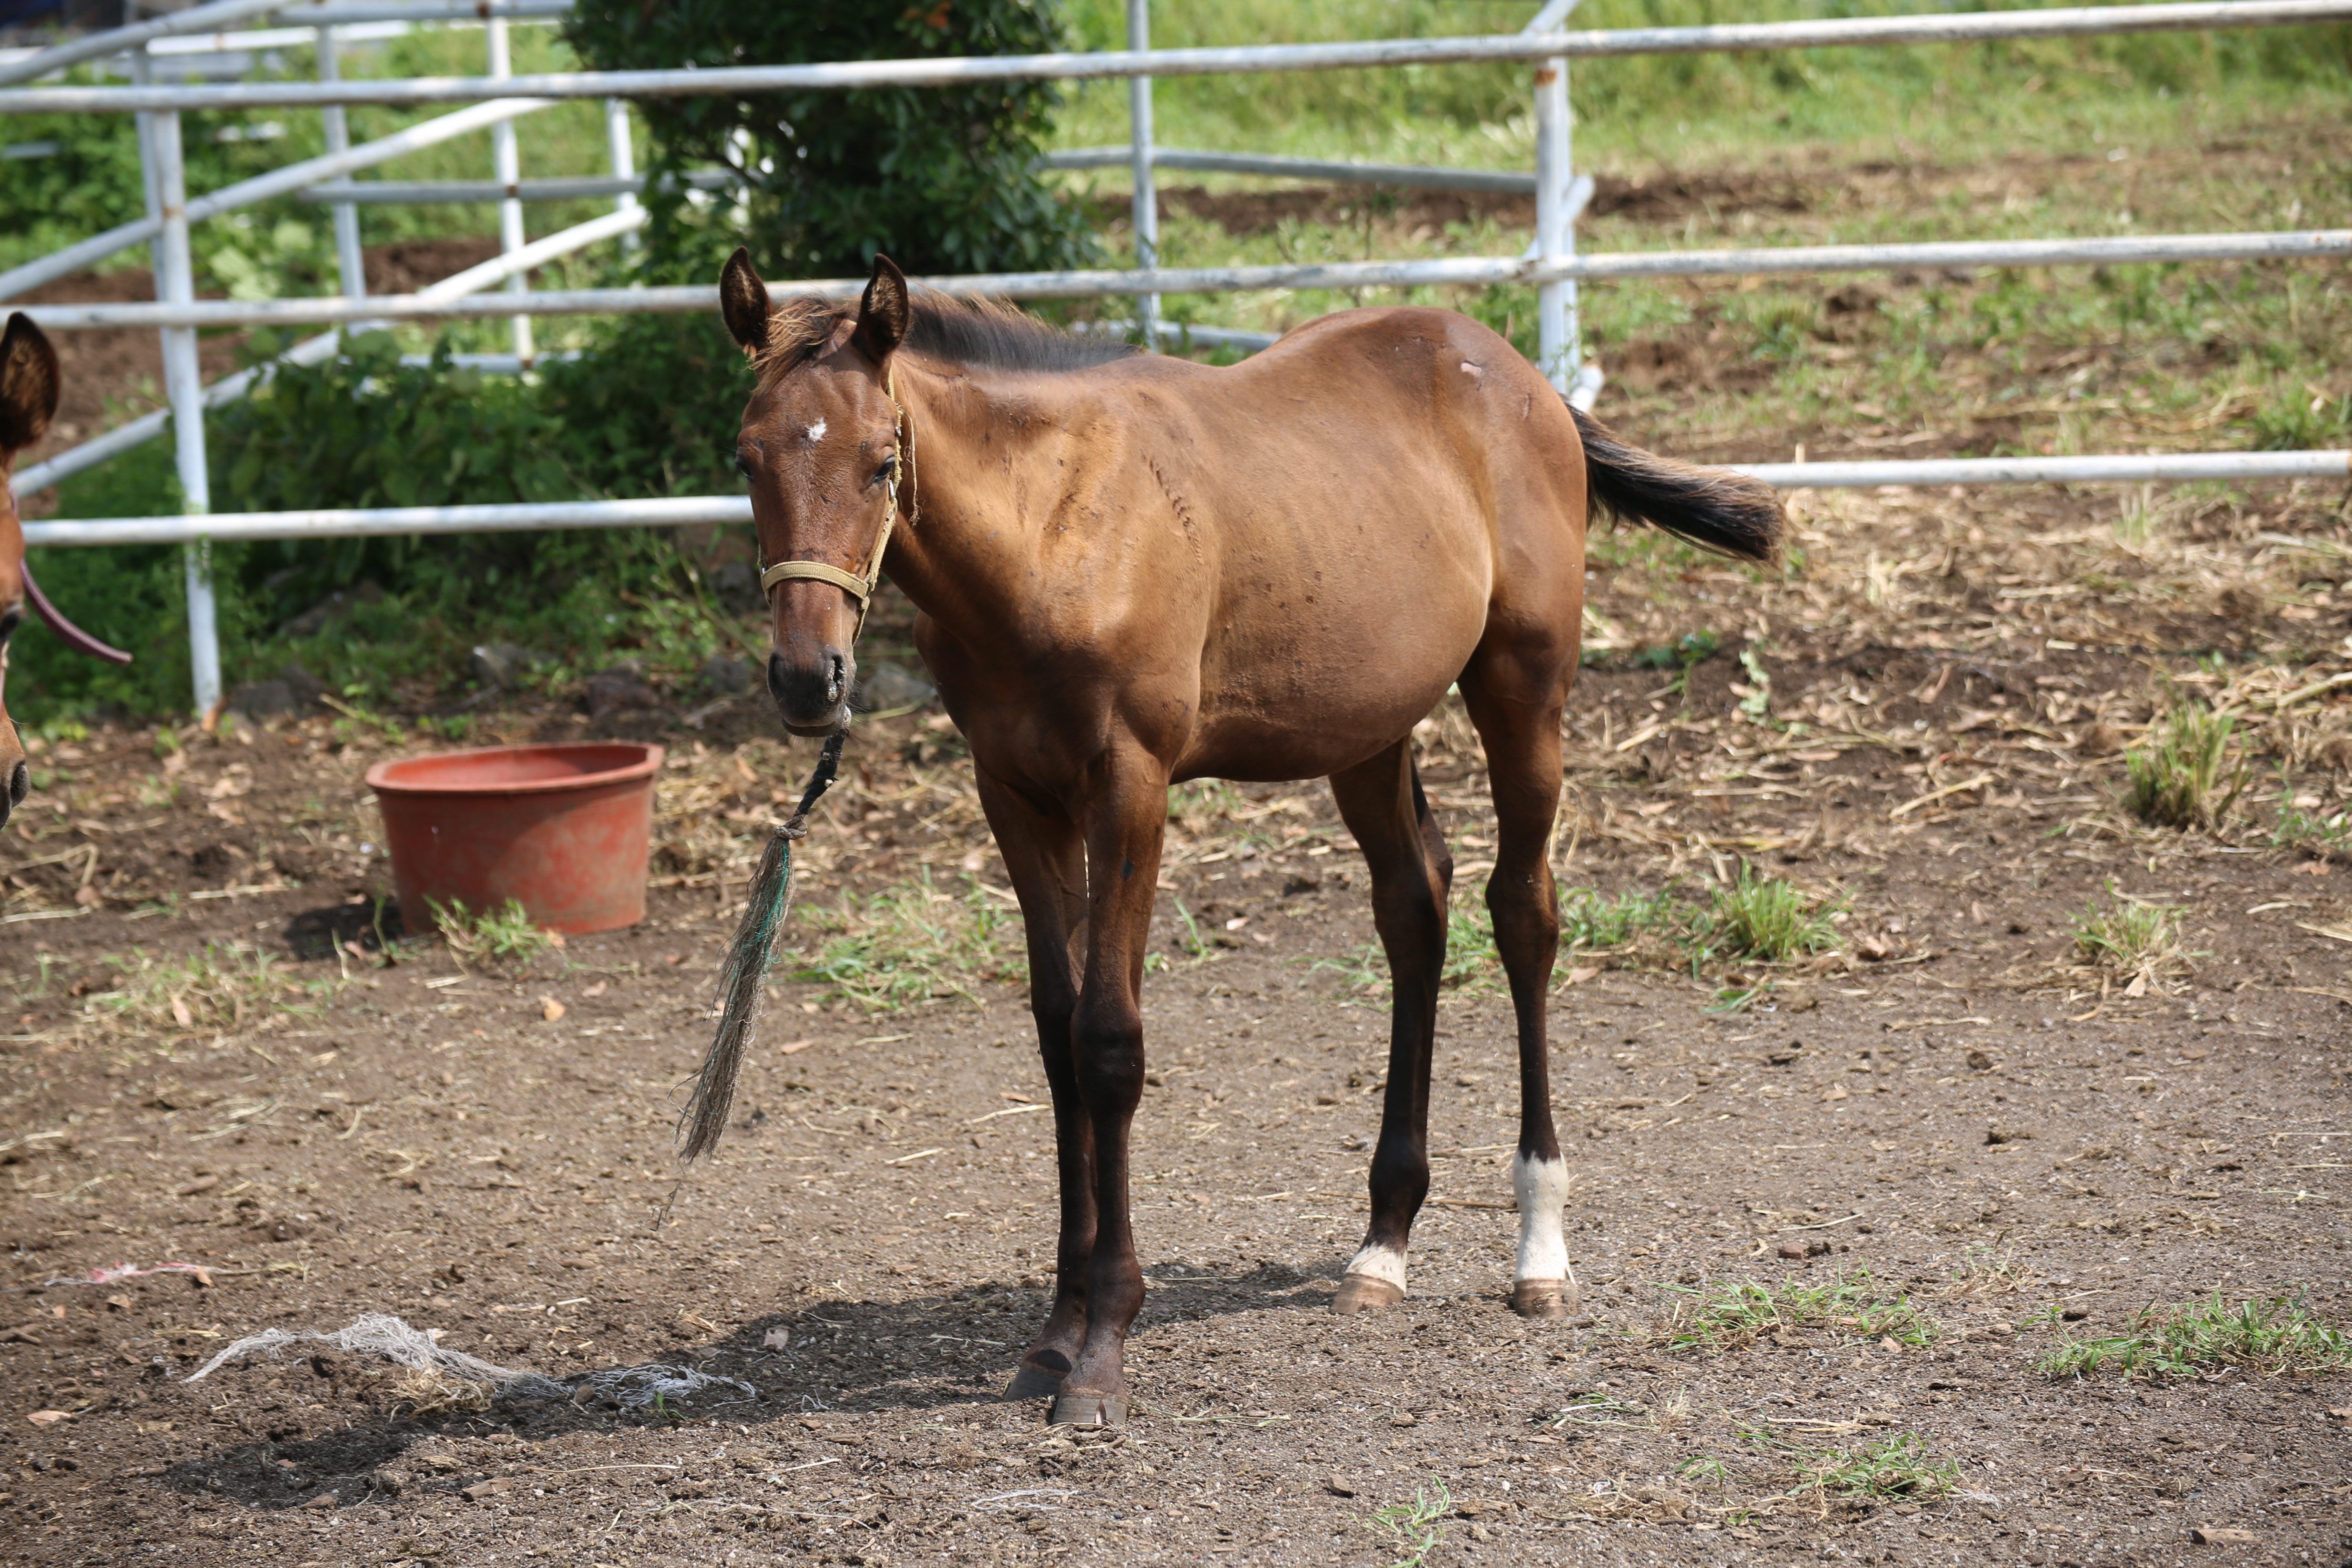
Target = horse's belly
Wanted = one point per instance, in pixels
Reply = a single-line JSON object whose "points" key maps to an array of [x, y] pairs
{"points": [[1327, 689]]}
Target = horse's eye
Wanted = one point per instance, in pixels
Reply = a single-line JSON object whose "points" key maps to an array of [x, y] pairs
{"points": [[882, 476], [742, 465]]}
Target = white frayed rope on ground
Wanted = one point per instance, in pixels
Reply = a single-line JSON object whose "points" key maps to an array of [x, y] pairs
{"points": [[389, 1338]]}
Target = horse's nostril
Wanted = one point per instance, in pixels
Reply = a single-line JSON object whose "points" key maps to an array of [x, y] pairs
{"points": [[833, 681], [20, 784]]}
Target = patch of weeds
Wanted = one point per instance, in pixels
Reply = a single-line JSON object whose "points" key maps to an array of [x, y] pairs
{"points": [[503, 939], [1705, 1468], [1757, 919], [2134, 941], [1195, 944], [2325, 838], [1681, 655], [1414, 1527], [1733, 1315], [1766, 918], [1588, 920], [2280, 1335], [2187, 773], [219, 987], [912, 942], [2135, 516], [1894, 1469], [1473, 962]]}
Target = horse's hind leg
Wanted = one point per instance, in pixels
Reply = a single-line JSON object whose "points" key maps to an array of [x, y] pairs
{"points": [[1043, 856], [1384, 805], [1515, 698]]}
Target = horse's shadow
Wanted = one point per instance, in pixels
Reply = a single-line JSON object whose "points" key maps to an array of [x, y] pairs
{"points": [[844, 1357]]}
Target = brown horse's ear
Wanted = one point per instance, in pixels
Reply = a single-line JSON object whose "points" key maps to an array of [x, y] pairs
{"points": [[886, 311], [29, 383], [743, 301]]}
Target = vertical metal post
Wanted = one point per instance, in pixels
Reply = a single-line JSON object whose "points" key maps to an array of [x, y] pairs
{"points": [[623, 152], [508, 172], [175, 284], [1147, 195], [1556, 351], [1560, 339], [350, 262]]}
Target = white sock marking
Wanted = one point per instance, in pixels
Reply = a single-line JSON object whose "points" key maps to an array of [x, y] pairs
{"points": [[817, 431], [1379, 1262], [1541, 1186]]}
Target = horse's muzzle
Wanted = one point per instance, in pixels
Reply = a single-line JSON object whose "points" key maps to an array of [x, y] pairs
{"points": [[812, 696]]}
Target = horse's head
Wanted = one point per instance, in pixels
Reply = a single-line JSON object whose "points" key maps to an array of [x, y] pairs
{"points": [[820, 447], [29, 397]]}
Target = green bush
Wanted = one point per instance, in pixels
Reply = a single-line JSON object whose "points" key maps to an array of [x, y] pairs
{"points": [[650, 408], [940, 178]]}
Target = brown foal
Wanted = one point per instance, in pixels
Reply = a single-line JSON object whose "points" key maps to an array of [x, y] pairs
{"points": [[1131, 571]]}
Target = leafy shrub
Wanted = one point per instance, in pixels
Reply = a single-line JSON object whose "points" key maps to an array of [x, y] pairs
{"points": [[940, 178]]}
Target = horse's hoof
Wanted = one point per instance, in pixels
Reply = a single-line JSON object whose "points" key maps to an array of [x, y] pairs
{"points": [[1030, 1382], [1547, 1298], [1365, 1293], [1088, 1410]]}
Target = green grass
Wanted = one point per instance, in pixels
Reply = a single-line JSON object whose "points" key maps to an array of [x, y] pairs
{"points": [[219, 987], [910, 943], [1732, 1315], [1894, 1469], [2137, 941], [2329, 837], [504, 939], [2280, 1335], [1754, 919], [1767, 920], [1415, 1527], [2189, 772]]}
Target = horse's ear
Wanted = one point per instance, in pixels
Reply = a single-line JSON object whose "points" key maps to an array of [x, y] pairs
{"points": [[29, 383], [743, 301], [886, 311]]}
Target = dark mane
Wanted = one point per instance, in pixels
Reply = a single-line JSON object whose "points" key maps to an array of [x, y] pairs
{"points": [[986, 335]]}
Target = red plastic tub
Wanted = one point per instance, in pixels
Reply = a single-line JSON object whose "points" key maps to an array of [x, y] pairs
{"points": [[563, 829]]}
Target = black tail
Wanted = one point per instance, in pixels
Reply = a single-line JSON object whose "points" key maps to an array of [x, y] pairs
{"points": [[1715, 509]]}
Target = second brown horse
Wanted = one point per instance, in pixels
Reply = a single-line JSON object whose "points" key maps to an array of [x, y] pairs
{"points": [[1132, 570]]}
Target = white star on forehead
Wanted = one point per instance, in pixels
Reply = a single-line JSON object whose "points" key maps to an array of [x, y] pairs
{"points": [[817, 431]]}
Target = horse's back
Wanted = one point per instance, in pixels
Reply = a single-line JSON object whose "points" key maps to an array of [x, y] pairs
{"points": [[1369, 491]]}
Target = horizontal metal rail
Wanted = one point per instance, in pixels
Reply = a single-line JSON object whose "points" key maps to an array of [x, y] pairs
{"points": [[114, 40], [672, 511], [678, 512], [240, 42], [1470, 270], [944, 71], [1412, 176], [2152, 467], [387, 192], [262, 187], [337, 16], [229, 388]]}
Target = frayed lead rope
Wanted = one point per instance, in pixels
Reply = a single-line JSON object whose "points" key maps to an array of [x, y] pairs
{"points": [[743, 982]]}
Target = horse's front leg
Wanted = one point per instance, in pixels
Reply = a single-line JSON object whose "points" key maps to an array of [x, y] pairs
{"points": [[1046, 861], [1124, 819]]}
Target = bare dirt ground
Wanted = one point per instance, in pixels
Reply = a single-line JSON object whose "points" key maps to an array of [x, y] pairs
{"points": [[1923, 727]]}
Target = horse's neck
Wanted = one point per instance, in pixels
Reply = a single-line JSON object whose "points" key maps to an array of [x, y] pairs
{"points": [[958, 554]]}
